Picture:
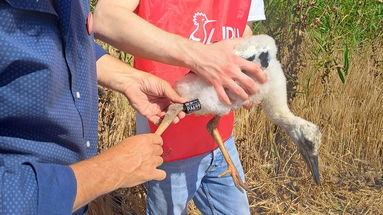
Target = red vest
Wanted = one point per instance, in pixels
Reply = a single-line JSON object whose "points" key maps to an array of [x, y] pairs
{"points": [[205, 21]]}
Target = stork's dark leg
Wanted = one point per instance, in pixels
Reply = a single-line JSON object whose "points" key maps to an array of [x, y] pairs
{"points": [[231, 169], [171, 114]]}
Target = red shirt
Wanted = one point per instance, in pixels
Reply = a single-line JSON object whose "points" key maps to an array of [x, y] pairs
{"points": [[205, 21]]}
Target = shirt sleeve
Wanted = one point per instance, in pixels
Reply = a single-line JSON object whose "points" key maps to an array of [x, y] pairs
{"points": [[37, 188], [257, 11], [99, 51]]}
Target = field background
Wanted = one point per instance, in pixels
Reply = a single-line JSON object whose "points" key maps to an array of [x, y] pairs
{"points": [[332, 54]]}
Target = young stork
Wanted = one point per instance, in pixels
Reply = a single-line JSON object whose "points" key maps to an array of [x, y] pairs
{"points": [[272, 96]]}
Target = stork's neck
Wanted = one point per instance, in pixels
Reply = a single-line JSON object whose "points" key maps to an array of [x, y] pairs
{"points": [[287, 121], [281, 116], [294, 126]]}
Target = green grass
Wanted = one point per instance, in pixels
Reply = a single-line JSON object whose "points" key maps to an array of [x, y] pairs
{"points": [[336, 28], [353, 22]]}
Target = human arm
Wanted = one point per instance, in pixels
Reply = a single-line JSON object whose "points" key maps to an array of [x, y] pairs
{"points": [[32, 187], [248, 32], [129, 163], [116, 24], [148, 94]]}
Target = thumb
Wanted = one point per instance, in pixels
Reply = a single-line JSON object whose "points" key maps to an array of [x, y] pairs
{"points": [[173, 95], [158, 175]]}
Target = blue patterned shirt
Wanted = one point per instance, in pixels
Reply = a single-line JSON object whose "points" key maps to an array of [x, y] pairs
{"points": [[48, 103]]}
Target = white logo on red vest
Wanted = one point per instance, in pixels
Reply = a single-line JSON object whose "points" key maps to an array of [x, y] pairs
{"points": [[200, 34], [204, 33]]}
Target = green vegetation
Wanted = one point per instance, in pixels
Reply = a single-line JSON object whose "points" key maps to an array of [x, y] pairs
{"points": [[335, 28], [350, 21]]}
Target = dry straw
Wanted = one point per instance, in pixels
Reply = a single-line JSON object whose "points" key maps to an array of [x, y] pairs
{"points": [[351, 158]]}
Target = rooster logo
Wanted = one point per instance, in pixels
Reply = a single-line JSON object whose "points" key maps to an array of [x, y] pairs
{"points": [[200, 34]]}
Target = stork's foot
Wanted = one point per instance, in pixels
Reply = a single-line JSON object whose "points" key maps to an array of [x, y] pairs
{"points": [[236, 178]]}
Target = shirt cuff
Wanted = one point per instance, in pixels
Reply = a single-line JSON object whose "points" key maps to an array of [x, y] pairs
{"points": [[98, 51], [57, 187]]}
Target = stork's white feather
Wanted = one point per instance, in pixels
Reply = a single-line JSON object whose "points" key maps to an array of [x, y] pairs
{"points": [[272, 94], [192, 86]]}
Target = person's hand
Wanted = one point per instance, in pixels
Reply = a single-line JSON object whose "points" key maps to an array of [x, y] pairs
{"points": [[151, 96], [217, 64], [148, 94], [131, 162], [135, 160]]}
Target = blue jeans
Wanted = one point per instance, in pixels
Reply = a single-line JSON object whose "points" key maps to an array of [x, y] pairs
{"points": [[197, 178]]}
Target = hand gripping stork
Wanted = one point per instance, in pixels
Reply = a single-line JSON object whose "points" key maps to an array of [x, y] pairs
{"points": [[272, 96]]}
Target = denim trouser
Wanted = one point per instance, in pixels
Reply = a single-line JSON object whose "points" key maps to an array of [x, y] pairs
{"points": [[197, 178]]}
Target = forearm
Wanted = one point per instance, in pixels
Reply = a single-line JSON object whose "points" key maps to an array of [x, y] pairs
{"points": [[116, 24], [131, 162], [114, 74], [94, 178], [248, 32]]}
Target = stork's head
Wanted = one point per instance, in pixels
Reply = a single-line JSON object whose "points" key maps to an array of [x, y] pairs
{"points": [[258, 48], [307, 137]]}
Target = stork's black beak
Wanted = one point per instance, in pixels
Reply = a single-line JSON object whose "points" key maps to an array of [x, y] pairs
{"points": [[315, 169], [312, 164]]}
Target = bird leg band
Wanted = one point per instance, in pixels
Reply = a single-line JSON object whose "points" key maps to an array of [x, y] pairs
{"points": [[173, 110]]}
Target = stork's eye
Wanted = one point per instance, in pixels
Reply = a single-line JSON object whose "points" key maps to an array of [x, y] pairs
{"points": [[308, 144], [251, 58]]}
